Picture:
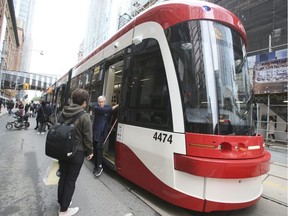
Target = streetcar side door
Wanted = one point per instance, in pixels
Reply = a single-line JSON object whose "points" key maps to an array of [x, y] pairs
{"points": [[111, 90]]}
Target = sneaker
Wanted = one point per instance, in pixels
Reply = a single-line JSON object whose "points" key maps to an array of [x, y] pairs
{"points": [[42, 133], [69, 212], [94, 170], [98, 171], [38, 133]]}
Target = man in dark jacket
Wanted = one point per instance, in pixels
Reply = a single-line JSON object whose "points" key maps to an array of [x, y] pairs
{"points": [[42, 117], [70, 169], [100, 131], [10, 106]]}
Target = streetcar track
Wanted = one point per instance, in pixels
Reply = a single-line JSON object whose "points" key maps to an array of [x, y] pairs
{"points": [[276, 176], [274, 200], [279, 164]]}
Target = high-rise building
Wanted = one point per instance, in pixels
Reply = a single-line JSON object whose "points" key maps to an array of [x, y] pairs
{"points": [[106, 17], [24, 11], [265, 23], [101, 24]]}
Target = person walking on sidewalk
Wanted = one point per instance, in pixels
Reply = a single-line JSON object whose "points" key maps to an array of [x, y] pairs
{"points": [[100, 131], [10, 106], [1, 104], [42, 116], [70, 169], [271, 129]]}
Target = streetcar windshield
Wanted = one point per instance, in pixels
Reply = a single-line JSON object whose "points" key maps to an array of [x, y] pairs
{"points": [[210, 60]]}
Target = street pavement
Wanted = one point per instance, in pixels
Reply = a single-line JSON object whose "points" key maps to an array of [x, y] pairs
{"points": [[274, 183], [27, 190]]}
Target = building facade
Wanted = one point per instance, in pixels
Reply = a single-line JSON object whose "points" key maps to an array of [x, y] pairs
{"points": [[24, 12], [8, 38]]}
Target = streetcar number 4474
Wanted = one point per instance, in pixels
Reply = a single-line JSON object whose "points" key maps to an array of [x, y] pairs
{"points": [[162, 137]]}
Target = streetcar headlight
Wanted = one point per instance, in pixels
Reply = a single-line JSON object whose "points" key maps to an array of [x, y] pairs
{"points": [[241, 147], [225, 146]]}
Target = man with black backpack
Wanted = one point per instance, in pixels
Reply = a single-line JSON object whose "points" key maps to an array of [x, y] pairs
{"points": [[70, 168]]}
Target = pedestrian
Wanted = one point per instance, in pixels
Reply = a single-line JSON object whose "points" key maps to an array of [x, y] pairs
{"points": [[21, 108], [42, 117], [70, 169], [50, 112], [26, 107], [10, 106], [100, 130], [37, 106], [32, 107], [0, 104], [271, 129]]}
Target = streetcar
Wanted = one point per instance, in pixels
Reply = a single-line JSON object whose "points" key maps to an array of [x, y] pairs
{"points": [[184, 130]]}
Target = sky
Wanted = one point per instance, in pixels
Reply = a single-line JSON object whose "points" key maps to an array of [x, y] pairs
{"points": [[58, 30]]}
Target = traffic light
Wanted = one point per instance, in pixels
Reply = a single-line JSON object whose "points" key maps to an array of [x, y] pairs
{"points": [[50, 90], [26, 86]]}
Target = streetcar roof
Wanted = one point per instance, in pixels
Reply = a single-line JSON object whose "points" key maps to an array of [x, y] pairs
{"points": [[170, 13]]}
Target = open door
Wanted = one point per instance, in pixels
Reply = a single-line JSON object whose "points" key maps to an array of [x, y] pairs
{"points": [[111, 90]]}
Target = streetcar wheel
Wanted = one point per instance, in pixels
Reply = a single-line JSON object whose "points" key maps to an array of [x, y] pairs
{"points": [[9, 126]]}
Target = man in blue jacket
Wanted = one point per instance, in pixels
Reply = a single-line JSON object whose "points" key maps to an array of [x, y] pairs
{"points": [[100, 131]]}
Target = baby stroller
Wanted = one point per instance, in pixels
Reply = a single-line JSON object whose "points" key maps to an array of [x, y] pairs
{"points": [[21, 121]]}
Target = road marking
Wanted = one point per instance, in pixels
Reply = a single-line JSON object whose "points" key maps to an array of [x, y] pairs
{"points": [[267, 182], [50, 177]]}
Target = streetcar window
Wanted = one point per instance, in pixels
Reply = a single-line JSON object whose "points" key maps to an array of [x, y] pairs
{"points": [[74, 83], [148, 95], [210, 61], [86, 78], [97, 73], [96, 86]]}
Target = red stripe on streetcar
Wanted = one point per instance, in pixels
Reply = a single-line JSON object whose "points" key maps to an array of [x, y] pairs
{"points": [[220, 168], [224, 147]]}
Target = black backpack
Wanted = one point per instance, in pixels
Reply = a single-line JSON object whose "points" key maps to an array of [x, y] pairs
{"points": [[60, 140]]}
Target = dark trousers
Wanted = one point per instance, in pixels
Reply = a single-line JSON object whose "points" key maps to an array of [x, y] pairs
{"points": [[42, 127], [98, 150], [37, 123], [70, 170]]}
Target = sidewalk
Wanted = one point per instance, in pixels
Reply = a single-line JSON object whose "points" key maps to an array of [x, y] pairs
{"points": [[3, 111], [277, 145]]}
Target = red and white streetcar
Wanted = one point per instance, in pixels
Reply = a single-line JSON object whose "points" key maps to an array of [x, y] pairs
{"points": [[185, 127]]}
